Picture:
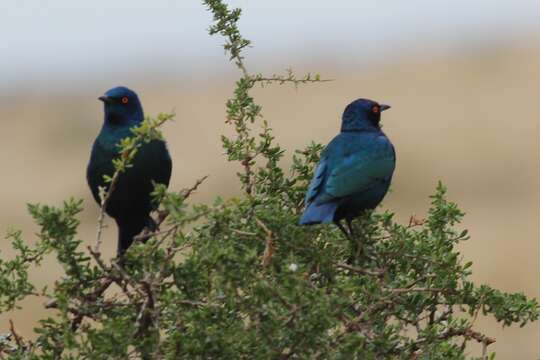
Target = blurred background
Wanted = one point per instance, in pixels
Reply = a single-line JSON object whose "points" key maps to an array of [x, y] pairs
{"points": [[462, 78]]}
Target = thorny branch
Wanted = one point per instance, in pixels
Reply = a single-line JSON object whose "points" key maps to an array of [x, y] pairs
{"points": [[144, 289], [290, 77], [105, 197], [270, 247], [18, 339], [242, 109]]}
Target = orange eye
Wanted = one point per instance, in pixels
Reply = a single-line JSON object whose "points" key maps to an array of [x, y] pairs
{"points": [[376, 109], [125, 100]]}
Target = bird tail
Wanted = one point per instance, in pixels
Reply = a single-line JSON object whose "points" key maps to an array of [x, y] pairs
{"points": [[127, 231], [319, 213]]}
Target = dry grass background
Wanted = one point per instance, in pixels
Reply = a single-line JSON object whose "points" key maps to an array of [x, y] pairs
{"points": [[467, 118]]}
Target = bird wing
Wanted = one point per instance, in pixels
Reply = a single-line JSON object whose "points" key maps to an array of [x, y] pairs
{"points": [[318, 180], [161, 164], [359, 168]]}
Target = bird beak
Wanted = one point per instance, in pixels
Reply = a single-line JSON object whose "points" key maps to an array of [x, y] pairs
{"points": [[105, 99], [384, 107]]}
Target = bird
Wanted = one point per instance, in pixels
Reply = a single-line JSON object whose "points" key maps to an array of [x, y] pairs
{"points": [[130, 202], [354, 171]]}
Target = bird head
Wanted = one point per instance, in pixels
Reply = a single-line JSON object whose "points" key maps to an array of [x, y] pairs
{"points": [[362, 114], [122, 107]]}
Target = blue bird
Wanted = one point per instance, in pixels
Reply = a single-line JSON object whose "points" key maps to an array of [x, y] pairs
{"points": [[130, 203], [355, 169]]}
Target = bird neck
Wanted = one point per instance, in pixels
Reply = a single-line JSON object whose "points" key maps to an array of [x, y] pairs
{"points": [[353, 121], [360, 129], [116, 127], [115, 120]]}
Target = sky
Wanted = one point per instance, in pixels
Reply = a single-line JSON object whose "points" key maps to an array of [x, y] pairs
{"points": [[64, 40]]}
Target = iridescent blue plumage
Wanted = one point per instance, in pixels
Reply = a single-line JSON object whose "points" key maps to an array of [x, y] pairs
{"points": [[130, 203], [355, 169]]}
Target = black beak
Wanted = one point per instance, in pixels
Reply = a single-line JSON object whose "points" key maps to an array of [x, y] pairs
{"points": [[384, 107], [105, 99]]}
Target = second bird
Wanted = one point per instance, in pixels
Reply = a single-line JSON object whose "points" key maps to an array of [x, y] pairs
{"points": [[355, 169], [130, 203]]}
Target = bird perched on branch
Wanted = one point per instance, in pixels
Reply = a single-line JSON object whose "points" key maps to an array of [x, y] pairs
{"points": [[355, 168], [130, 202]]}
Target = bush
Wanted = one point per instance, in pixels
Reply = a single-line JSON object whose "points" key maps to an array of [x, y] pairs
{"points": [[239, 279]]}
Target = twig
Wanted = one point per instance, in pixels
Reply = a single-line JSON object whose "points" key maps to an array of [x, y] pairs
{"points": [[481, 338], [246, 162], [147, 235], [193, 303], [289, 78], [414, 289], [484, 350], [104, 201], [128, 280], [451, 333], [187, 192], [414, 221], [18, 339], [282, 80], [241, 232], [269, 248], [359, 270]]}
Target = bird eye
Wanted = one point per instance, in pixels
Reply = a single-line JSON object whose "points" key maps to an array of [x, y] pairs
{"points": [[375, 109], [125, 100]]}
